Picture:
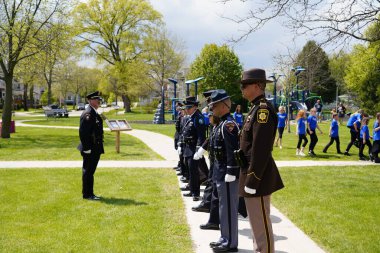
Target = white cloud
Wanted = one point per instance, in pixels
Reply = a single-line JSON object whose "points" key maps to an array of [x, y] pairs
{"points": [[199, 22]]}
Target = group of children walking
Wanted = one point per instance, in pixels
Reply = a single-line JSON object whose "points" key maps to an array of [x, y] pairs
{"points": [[357, 123]]}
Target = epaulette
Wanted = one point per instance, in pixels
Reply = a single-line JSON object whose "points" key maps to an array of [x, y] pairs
{"points": [[263, 103]]}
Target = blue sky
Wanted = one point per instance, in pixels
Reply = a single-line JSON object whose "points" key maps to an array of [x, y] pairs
{"points": [[199, 22]]}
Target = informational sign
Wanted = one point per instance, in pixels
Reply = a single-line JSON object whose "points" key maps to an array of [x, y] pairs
{"points": [[117, 125]]}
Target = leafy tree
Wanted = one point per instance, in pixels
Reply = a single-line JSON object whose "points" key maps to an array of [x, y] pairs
{"points": [[317, 77], [363, 73], [329, 20], [21, 25], [115, 32], [165, 56], [338, 65], [220, 68]]}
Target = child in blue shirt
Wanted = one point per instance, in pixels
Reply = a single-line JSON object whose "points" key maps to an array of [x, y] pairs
{"points": [[364, 139], [334, 134], [353, 124], [312, 125], [282, 122], [376, 139], [301, 131], [238, 116]]}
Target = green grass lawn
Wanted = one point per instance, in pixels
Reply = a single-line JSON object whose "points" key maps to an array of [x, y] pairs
{"points": [[338, 207], [141, 211], [32, 143]]}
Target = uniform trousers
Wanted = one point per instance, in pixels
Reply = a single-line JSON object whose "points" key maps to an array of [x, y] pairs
{"points": [[354, 137], [300, 138], [183, 168], [258, 209], [313, 140], [192, 166], [90, 162], [337, 142], [203, 169], [228, 212], [214, 206]]}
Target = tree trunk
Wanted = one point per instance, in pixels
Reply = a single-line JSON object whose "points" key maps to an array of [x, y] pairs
{"points": [[25, 99], [127, 103], [8, 104], [31, 95]]}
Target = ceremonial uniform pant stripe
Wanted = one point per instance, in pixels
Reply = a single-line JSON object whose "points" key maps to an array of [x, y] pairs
{"points": [[258, 209]]}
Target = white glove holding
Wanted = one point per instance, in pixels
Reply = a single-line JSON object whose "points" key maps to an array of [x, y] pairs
{"points": [[229, 178], [87, 151], [249, 190], [179, 150], [199, 154]]}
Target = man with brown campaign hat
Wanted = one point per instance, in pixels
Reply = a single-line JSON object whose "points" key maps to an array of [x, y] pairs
{"points": [[194, 133], [91, 147], [225, 171], [259, 176]]}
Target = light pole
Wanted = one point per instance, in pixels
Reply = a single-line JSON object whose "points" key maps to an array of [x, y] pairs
{"points": [[297, 70], [275, 79], [195, 81], [174, 81]]}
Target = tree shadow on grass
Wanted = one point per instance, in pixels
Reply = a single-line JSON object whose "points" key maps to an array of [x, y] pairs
{"points": [[121, 202]]}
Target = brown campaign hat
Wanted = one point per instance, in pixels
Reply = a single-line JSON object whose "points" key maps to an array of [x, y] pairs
{"points": [[254, 76]]}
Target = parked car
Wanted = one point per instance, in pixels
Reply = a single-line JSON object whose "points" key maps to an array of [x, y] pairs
{"points": [[80, 106], [103, 105]]}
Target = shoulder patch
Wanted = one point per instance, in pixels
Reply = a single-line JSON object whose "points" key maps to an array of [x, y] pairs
{"points": [[230, 126], [88, 116], [200, 121], [262, 115]]}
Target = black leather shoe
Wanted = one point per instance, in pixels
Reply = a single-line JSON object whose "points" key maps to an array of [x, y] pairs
{"points": [[196, 198], [184, 179], [215, 244], [201, 208], [346, 153], [222, 248], [185, 188], [211, 226], [93, 197], [187, 194], [179, 173]]}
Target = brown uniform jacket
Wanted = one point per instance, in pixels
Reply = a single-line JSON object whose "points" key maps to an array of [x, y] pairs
{"points": [[256, 142]]}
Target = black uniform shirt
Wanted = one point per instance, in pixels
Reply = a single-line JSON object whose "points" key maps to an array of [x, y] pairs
{"points": [[91, 131], [194, 132], [224, 142]]}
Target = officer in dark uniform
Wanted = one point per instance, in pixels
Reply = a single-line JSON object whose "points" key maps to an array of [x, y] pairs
{"points": [[225, 172], [177, 135], [91, 147], [259, 176], [204, 206], [194, 136], [210, 200]]}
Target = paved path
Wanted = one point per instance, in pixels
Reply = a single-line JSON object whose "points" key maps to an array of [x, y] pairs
{"points": [[289, 239]]}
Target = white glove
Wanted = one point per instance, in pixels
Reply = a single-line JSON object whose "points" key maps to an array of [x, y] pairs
{"points": [[249, 190], [87, 151], [199, 154], [229, 178], [179, 150]]}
